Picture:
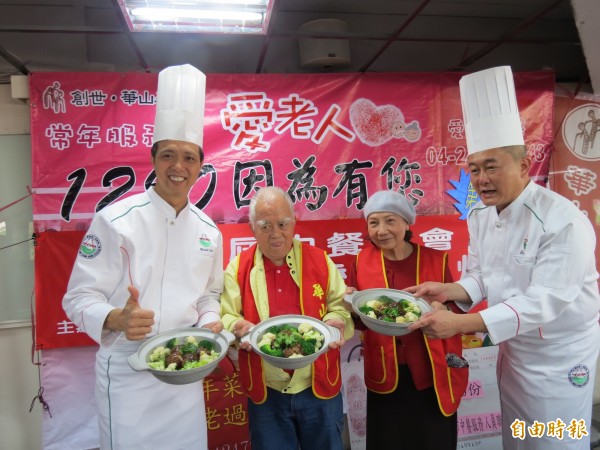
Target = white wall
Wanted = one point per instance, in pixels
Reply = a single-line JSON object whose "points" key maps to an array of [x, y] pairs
{"points": [[19, 429]]}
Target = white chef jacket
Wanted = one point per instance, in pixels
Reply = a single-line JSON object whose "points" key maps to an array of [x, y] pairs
{"points": [[534, 263], [176, 262]]}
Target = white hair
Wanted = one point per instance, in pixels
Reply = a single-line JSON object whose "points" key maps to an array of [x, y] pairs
{"points": [[268, 192]]}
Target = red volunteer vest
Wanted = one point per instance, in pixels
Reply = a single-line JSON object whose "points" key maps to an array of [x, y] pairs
{"points": [[326, 372], [381, 363]]}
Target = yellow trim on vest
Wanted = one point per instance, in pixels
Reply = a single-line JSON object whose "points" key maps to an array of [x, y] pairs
{"points": [[300, 281], [249, 388], [382, 355], [250, 374], [338, 371], [437, 394], [314, 375], [328, 277], [395, 362], [237, 268], [387, 285], [419, 265], [395, 386], [450, 384], [444, 265]]}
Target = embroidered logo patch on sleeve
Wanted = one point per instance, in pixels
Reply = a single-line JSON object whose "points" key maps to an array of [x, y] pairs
{"points": [[90, 247]]}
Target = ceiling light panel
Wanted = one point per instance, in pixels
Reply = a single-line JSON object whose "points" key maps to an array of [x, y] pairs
{"points": [[197, 16]]}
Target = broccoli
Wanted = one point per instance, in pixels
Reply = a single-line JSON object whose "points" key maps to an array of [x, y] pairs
{"points": [[159, 357], [405, 303], [274, 329], [288, 340], [266, 339], [208, 346], [284, 339], [271, 351], [392, 311], [308, 346], [365, 309], [280, 340], [189, 347]]}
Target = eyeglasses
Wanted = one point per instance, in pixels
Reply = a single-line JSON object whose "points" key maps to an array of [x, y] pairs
{"points": [[267, 227]]}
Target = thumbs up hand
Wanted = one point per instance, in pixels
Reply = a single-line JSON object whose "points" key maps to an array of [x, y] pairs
{"points": [[133, 320]]}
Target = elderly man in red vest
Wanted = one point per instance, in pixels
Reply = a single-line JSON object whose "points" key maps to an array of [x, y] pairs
{"points": [[287, 409]]}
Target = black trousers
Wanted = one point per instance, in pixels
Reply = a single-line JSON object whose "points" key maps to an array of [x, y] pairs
{"points": [[408, 419]]}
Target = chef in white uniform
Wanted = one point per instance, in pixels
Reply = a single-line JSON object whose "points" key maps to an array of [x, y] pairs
{"points": [[148, 264], [531, 255]]}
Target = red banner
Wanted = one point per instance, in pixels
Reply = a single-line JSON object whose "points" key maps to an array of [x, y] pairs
{"points": [[226, 409], [576, 161], [329, 140], [55, 254]]}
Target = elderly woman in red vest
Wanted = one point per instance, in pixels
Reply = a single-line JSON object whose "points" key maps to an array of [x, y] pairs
{"points": [[413, 394]]}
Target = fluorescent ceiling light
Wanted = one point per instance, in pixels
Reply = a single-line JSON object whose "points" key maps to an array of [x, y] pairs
{"points": [[198, 16], [163, 13]]}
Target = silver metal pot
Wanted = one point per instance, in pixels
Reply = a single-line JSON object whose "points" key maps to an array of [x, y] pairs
{"points": [[360, 298], [330, 334], [139, 360]]}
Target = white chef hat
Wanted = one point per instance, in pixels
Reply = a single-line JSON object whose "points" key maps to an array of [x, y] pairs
{"points": [[390, 201], [490, 110], [180, 105]]}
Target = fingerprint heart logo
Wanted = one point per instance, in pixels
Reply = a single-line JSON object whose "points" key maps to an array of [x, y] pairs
{"points": [[375, 125]]}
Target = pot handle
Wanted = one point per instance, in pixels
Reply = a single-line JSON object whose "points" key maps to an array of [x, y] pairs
{"points": [[335, 333], [228, 335], [136, 363], [246, 337], [348, 297]]}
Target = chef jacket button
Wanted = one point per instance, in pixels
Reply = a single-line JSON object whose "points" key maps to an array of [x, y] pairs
{"points": [[293, 271], [172, 223], [498, 225]]}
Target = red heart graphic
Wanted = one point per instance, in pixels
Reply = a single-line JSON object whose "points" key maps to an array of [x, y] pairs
{"points": [[373, 124]]}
